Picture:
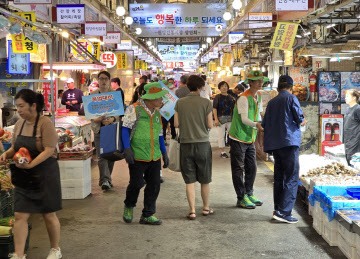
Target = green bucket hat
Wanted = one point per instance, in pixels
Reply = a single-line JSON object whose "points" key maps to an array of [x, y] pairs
{"points": [[154, 91], [255, 75], [165, 82]]}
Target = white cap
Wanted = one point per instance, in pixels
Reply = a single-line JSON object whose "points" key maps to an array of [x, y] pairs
{"points": [[70, 80]]}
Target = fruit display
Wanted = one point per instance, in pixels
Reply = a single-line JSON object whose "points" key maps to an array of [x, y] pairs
{"points": [[300, 91], [7, 222], [5, 136]]}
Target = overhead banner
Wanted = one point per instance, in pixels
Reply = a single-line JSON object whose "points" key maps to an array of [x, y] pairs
{"points": [[284, 36], [95, 28], [178, 20], [178, 52], [292, 5], [179, 40], [125, 45], [22, 44], [74, 13], [112, 37], [256, 17], [122, 61], [235, 37]]}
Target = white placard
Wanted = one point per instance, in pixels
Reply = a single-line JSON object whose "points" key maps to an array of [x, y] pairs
{"points": [[216, 49], [95, 28], [32, 1], [112, 37], [109, 58], [260, 16], [213, 55], [291, 5], [224, 47], [235, 37], [140, 51], [41, 11], [70, 13], [125, 45], [143, 56], [135, 48]]}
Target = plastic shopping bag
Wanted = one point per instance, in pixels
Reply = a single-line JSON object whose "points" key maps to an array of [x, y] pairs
{"points": [[174, 155]]}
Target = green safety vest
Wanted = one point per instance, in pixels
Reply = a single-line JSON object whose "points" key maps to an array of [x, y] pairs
{"points": [[145, 141], [238, 129]]}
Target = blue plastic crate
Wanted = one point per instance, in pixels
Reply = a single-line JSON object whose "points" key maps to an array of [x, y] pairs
{"points": [[354, 192], [6, 146]]}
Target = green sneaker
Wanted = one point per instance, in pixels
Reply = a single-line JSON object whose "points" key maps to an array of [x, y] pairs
{"points": [[245, 203], [152, 220], [128, 214], [255, 200]]}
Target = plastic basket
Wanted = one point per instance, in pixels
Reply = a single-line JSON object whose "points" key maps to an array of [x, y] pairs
{"points": [[7, 244], [354, 192], [6, 146]]}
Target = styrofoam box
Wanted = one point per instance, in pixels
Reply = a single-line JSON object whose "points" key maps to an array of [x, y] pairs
{"points": [[347, 235], [75, 189], [318, 225], [348, 250], [311, 210], [318, 211], [75, 169], [358, 242], [330, 233]]}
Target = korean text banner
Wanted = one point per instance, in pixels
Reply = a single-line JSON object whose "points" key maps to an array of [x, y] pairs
{"points": [[106, 104], [180, 20], [284, 36], [22, 44], [177, 52], [169, 100]]}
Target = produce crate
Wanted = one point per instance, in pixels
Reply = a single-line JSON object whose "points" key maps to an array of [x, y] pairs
{"points": [[7, 244], [83, 155], [6, 203]]}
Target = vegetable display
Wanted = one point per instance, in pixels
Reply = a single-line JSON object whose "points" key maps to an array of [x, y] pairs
{"points": [[22, 156]]}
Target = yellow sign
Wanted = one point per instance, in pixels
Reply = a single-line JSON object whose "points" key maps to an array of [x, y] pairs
{"points": [[144, 66], [226, 61], [137, 64], [122, 60], [96, 49], [40, 56], [77, 51], [284, 36], [22, 44], [288, 58]]}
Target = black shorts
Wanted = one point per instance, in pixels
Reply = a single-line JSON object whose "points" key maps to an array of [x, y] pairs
{"points": [[196, 162]]}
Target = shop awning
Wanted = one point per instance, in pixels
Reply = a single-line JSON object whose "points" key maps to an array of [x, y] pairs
{"points": [[75, 66]]}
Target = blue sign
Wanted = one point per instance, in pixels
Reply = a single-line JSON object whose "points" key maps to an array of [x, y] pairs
{"points": [[18, 63], [169, 101], [106, 104]]}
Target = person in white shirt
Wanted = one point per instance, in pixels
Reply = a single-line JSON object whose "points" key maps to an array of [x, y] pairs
{"points": [[207, 92]]}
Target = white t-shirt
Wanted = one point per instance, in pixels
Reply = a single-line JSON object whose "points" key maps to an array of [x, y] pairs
{"points": [[207, 92], [243, 109]]}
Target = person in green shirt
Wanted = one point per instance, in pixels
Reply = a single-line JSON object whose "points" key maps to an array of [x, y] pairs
{"points": [[242, 134]]}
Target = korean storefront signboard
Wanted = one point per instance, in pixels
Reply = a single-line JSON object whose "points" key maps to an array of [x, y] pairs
{"points": [[260, 16], [95, 28], [178, 20], [76, 51], [213, 55], [235, 37], [135, 48], [177, 52], [40, 56], [47, 95], [96, 45], [109, 58], [70, 13], [125, 45], [41, 10], [284, 36], [291, 5], [22, 44], [137, 64], [143, 65], [32, 1], [18, 63], [112, 37], [122, 61]]}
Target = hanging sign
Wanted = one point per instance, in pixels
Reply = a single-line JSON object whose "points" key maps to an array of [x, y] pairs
{"points": [[260, 16], [178, 20], [96, 45], [22, 44], [137, 64], [70, 13], [226, 47], [179, 64], [144, 66], [135, 48], [235, 37], [18, 63], [140, 51], [47, 95], [213, 55], [95, 28], [40, 56], [284, 36], [125, 45], [291, 5], [288, 58], [76, 51], [112, 37], [32, 1], [169, 65], [109, 58], [122, 60], [178, 52]]}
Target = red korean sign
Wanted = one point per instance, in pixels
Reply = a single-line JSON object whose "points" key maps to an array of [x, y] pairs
{"points": [[179, 64], [47, 95], [109, 58], [169, 65]]}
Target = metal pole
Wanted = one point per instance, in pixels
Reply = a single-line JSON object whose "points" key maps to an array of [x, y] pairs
{"points": [[52, 85]]}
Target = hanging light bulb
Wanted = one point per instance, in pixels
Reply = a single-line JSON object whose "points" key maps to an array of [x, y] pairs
{"points": [[208, 40], [149, 43], [203, 46], [138, 31], [65, 34], [63, 76], [237, 4], [120, 10], [129, 20], [227, 16]]}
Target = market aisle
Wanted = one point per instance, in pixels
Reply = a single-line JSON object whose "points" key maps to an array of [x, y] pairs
{"points": [[93, 228]]}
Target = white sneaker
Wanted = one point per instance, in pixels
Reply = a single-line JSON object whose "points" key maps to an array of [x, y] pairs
{"points": [[14, 256], [54, 254]]}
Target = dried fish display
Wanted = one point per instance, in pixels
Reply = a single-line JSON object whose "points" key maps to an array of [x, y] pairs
{"points": [[335, 169]]}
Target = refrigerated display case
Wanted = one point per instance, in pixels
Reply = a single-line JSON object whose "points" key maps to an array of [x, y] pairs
{"points": [[78, 125]]}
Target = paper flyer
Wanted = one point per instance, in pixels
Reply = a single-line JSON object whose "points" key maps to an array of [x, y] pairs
{"points": [[169, 100]]}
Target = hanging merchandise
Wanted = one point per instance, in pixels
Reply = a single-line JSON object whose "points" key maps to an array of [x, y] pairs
{"points": [[82, 79], [4, 24], [15, 28], [37, 37]]}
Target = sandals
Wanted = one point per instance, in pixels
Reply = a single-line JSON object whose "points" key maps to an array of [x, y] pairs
{"points": [[190, 217], [208, 212]]}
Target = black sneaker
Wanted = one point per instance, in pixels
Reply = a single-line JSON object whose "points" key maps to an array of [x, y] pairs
{"points": [[224, 155], [162, 180], [283, 218], [105, 186], [152, 220]]}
